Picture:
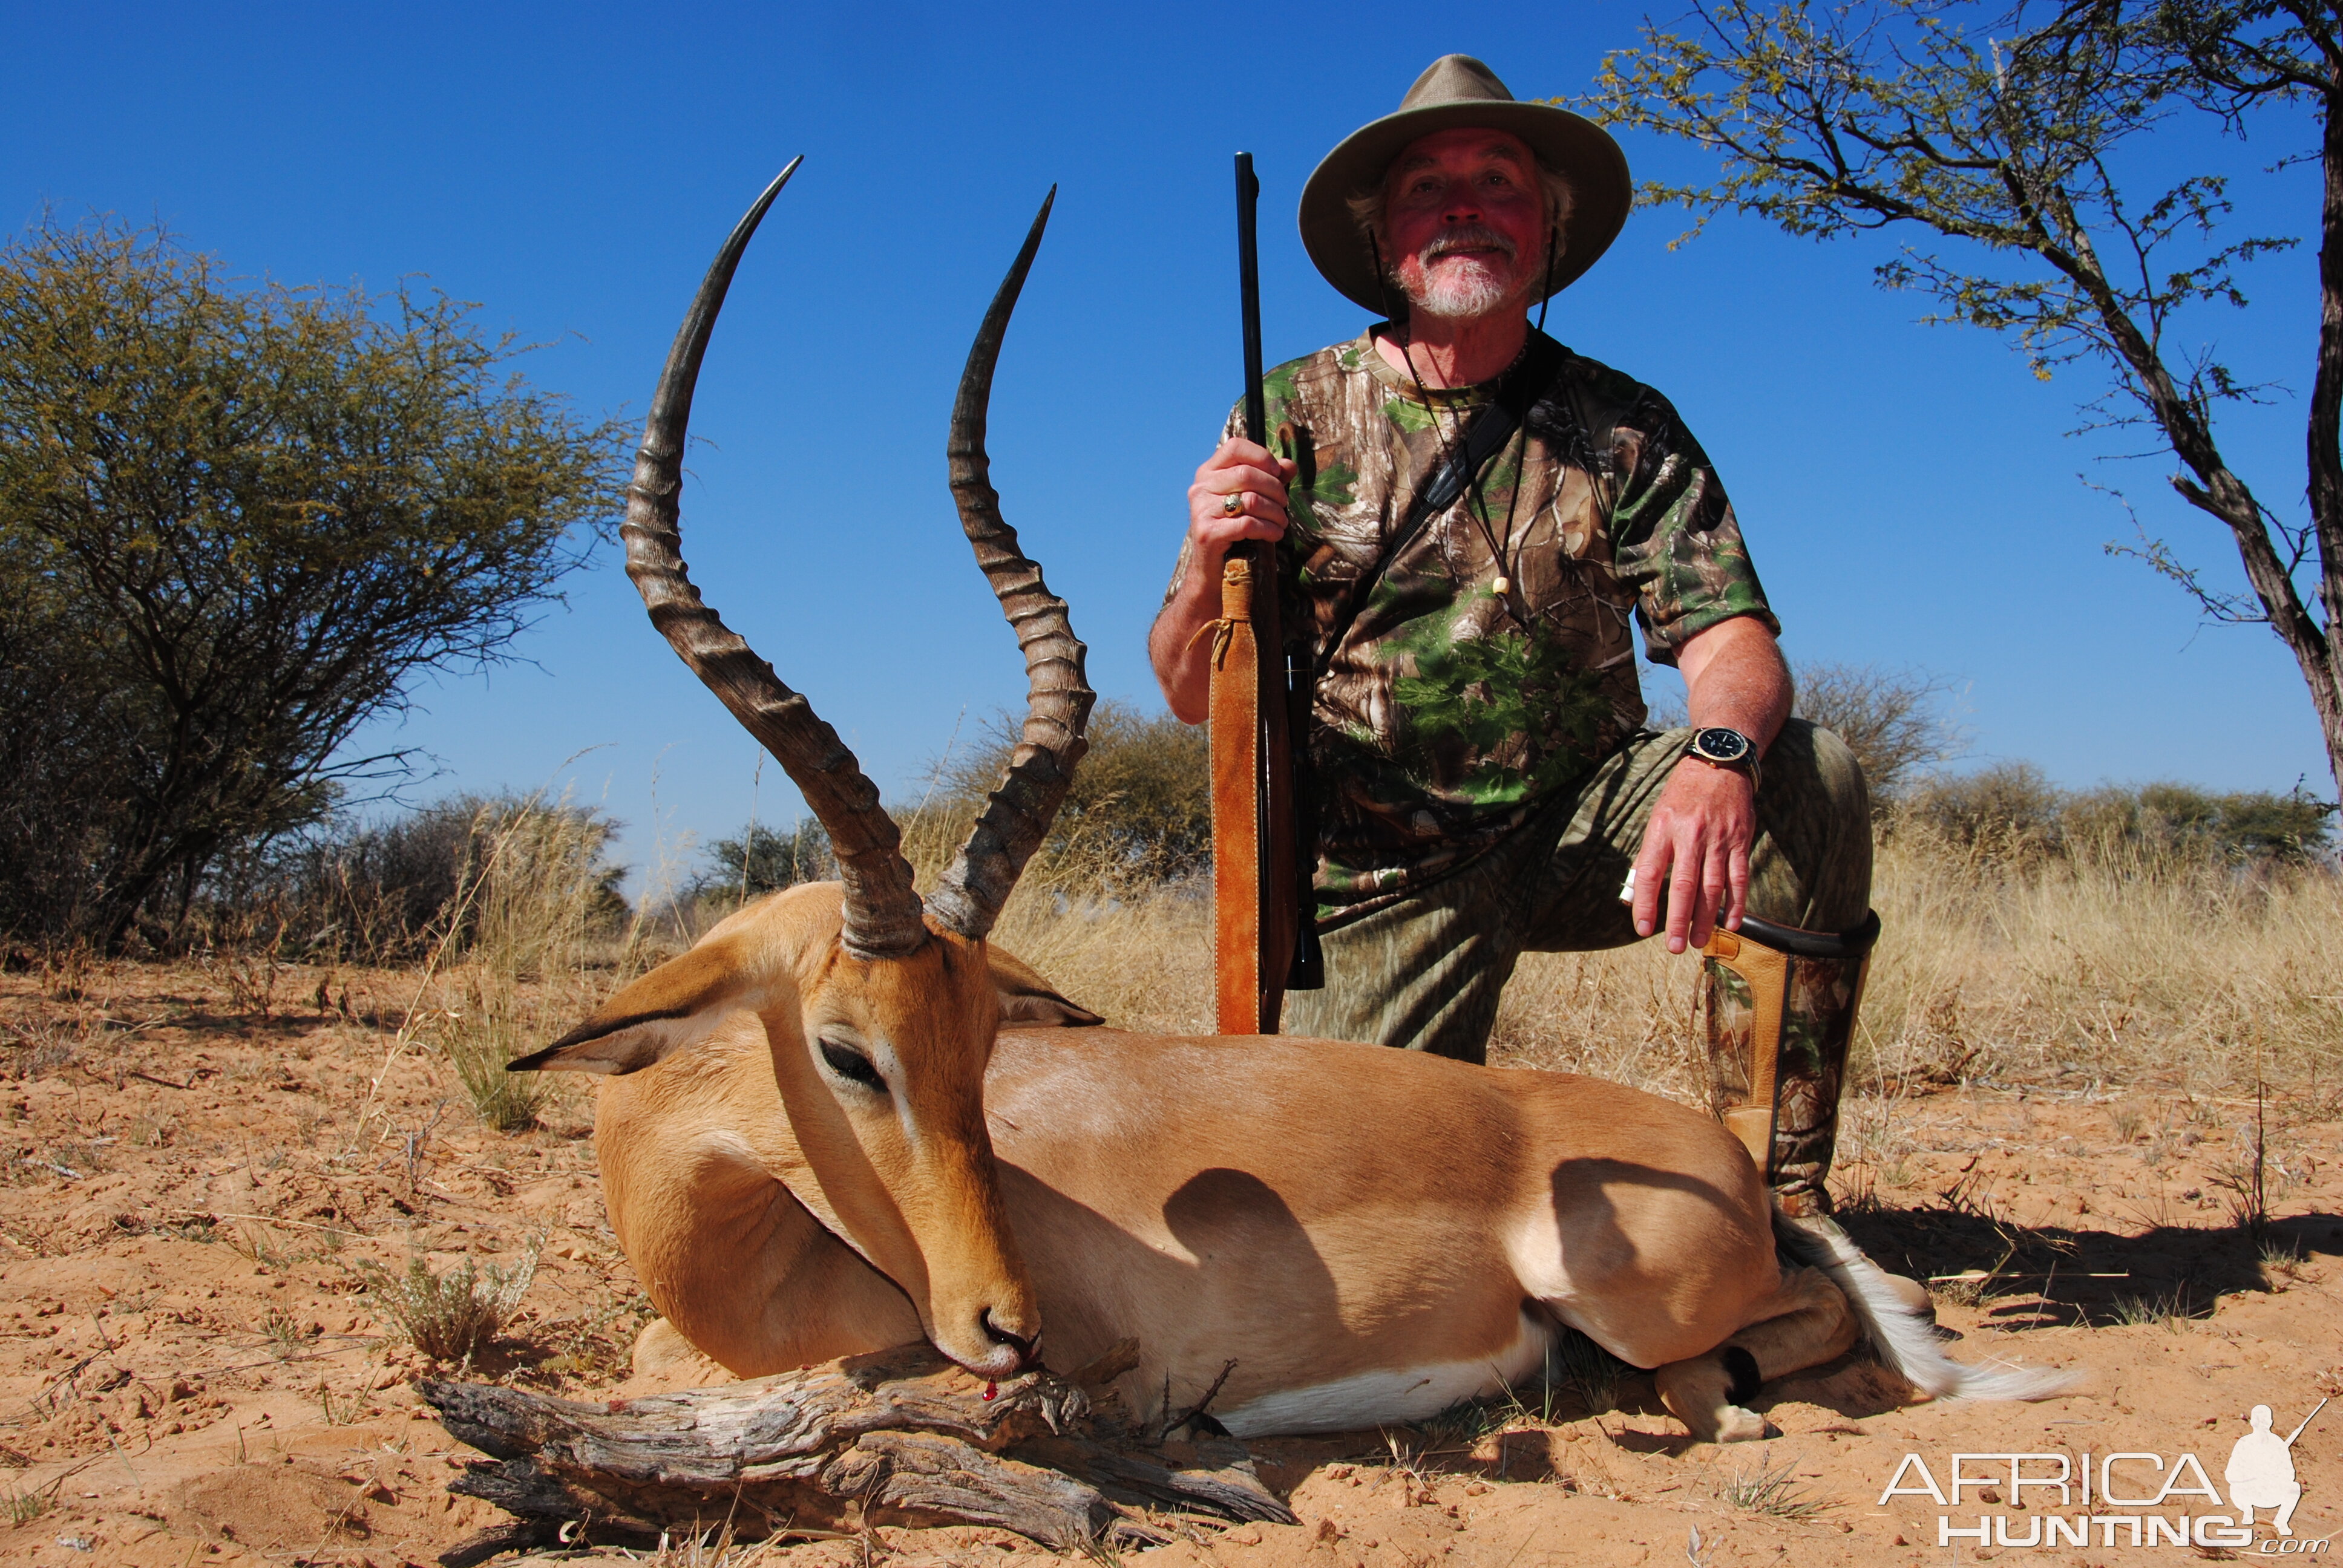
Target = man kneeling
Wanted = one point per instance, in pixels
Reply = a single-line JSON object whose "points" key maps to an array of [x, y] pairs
{"points": [[1467, 518]]}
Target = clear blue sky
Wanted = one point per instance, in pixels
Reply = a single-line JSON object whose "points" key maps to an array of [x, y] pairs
{"points": [[1909, 492]]}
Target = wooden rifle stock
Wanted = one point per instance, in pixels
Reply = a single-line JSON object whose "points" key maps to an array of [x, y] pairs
{"points": [[1259, 879]]}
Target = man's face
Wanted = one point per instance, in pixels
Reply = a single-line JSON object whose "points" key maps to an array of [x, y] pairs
{"points": [[1463, 219]]}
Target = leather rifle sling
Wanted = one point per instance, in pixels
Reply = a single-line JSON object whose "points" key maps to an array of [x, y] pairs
{"points": [[1253, 898]]}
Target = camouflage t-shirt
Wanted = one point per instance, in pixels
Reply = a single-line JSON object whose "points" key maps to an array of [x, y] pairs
{"points": [[1447, 713]]}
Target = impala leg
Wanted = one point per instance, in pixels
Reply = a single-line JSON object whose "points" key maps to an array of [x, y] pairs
{"points": [[659, 1347], [1710, 1392]]}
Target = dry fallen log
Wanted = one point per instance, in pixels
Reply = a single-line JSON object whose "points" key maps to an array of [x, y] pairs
{"points": [[902, 1437]]}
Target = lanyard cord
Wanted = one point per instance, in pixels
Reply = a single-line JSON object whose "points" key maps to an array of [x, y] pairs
{"points": [[1477, 508]]}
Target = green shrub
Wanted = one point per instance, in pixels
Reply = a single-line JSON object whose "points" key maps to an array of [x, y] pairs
{"points": [[2011, 808], [2015, 808], [765, 860], [1139, 812], [1894, 721]]}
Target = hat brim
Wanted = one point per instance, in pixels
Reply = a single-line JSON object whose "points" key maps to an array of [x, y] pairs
{"points": [[1576, 147]]}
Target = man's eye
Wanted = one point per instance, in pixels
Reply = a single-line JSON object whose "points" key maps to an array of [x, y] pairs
{"points": [[852, 1065]]}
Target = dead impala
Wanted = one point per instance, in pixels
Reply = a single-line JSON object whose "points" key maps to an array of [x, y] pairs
{"points": [[833, 1126]]}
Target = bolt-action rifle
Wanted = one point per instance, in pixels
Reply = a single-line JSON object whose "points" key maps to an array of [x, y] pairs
{"points": [[1265, 939]]}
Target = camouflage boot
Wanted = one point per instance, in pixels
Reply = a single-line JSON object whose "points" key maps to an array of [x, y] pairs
{"points": [[1778, 1005]]}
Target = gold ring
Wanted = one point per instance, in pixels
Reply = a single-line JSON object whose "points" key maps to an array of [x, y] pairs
{"points": [[1231, 503]]}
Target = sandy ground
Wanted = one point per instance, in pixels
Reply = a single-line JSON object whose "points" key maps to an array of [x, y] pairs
{"points": [[192, 1369]]}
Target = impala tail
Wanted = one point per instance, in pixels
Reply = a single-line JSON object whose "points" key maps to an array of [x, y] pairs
{"points": [[1904, 1338]]}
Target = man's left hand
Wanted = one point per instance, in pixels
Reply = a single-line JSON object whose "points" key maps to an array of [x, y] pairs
{"points": [[1697, 848]]}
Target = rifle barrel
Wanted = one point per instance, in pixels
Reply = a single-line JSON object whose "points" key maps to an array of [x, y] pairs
{"points": [[1249, 296]]}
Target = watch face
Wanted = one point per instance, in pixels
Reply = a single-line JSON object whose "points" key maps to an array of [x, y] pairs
{"points": [[1721, 745]]}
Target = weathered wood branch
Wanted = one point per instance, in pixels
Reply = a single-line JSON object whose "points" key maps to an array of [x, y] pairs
{"points": [[902, 1437]]}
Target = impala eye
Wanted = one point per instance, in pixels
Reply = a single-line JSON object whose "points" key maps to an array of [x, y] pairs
{"points": [[852, 1065]]}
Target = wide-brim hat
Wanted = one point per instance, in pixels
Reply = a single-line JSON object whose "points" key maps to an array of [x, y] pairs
{"points": [[1458, 90]]}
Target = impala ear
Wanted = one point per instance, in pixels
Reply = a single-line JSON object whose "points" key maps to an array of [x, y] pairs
{"points": [[1028, 1002], [677, 1005], [611, 1046]]}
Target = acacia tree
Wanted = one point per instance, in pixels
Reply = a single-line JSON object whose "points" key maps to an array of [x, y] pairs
{"points": [[238, 521], [2002, 131]]}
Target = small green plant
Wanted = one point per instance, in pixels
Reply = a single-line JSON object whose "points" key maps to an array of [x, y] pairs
{"points": [[487, 1032], [1771, 1491], [23, 1507], [1465, 1424], [2281, 1259], [259, 1245], [1582, 1367], [340, 1409], [1517, 1411], [285, 1337], [448, 1316], [2170, 1309], [87, 1159]]}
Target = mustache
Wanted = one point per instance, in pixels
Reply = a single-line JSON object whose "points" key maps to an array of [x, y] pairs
{"points": [[1468, 236]]}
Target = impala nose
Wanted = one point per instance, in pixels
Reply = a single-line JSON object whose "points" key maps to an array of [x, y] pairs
{"points": [[1023, 1347]]}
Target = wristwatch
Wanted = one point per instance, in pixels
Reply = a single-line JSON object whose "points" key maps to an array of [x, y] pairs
{"points": [[1726, 748]]}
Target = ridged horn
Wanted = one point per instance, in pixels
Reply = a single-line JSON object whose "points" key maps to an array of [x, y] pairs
{"points": [[1018, 813], [883, 909]]}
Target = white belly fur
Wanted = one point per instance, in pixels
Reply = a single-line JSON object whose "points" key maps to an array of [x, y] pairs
{"points": [[1401, 1393]]}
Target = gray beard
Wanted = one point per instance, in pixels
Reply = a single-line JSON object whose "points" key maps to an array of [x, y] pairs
{"points": [[1463, 295], [1464, 298]]}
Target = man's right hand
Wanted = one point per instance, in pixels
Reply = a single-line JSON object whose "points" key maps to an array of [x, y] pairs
{"points": [[1257, 476], [1254, 473]]}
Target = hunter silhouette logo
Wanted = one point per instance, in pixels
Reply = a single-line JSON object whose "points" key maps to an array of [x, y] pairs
{"points": [[2260, 1471], [2127, 1498]]}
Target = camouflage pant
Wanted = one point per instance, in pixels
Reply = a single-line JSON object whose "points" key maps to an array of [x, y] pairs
{"points": [[1425, 973]]}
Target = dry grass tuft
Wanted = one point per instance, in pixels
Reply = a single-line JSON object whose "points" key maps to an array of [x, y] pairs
{"points": [[532, 908], [2117, 966], [1770, 1491], [448, 1316], [1093, 918], [2096, 968]]}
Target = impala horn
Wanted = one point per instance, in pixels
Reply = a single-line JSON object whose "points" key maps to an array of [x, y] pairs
{"points": [[1018, 813], [883, 909]]}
